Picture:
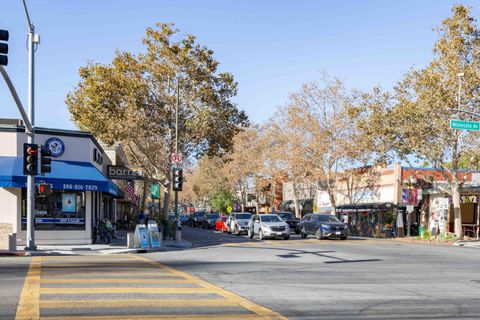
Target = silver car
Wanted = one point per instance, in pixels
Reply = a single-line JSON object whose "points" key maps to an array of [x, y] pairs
{"points": [[238, 222], [268, 226]]}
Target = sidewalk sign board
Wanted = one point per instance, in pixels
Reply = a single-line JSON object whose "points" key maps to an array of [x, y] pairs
{"points": [[153, 234], [141, 237]]}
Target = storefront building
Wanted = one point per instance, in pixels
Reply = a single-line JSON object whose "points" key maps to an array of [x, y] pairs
{"points": [[81, 192]]}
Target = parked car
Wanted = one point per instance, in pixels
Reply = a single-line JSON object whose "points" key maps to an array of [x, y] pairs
{"points": [[238, 222], [291, 220], [196, 219], [323, 226], [184, 219], [268, 226], [221, 225], [209, 221]]}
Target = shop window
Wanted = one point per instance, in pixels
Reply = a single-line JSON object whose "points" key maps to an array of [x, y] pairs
{"points": [[62, 210]]}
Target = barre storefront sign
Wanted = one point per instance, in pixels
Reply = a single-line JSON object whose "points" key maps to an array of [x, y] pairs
{"points": [[124, 172]]}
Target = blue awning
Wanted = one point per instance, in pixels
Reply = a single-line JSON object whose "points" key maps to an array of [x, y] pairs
{"points": [[65, 175]]}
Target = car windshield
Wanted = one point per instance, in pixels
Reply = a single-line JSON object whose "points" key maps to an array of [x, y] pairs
{"points": [[244, 216], [270, 219], [286, 215], [212, 216], [327, 218]]}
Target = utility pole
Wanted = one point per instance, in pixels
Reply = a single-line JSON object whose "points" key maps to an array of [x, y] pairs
{"points": [[32, 40]]}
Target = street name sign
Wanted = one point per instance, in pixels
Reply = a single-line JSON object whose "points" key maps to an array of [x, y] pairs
{"points": [[464, 125]]}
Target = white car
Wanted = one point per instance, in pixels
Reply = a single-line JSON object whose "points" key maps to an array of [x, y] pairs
{"points": [[268, 226], [238, 222]]}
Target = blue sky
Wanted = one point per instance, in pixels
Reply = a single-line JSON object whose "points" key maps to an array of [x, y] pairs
{"points": [[271, 46]]}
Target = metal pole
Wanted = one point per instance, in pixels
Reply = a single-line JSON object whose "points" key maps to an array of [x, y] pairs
{"points": [[31, 139], [177, 103]]}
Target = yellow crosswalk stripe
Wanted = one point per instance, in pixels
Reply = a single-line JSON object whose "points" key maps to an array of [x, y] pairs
{"points": [[165, 317], [72, 304], [247, 304], [102, 290], [159, 281], [28, 305], [55, 274]]}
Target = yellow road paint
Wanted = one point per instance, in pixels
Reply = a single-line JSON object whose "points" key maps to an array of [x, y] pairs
{"points": [[165, 317], [160, 281], [73, 304], [249, 305], [28, 305], [102, 290], [54, 274]]}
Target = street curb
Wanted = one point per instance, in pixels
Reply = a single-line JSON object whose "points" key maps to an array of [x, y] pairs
{"points": [[12, 253]]}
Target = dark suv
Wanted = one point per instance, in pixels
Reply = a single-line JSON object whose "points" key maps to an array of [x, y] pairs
{"points": [[196, 219], [323, 226], [210, 220], [291, 220]]}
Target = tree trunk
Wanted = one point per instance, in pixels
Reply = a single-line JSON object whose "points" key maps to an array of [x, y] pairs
{"points": [[456, 210], [144, 196], [296, 205]]}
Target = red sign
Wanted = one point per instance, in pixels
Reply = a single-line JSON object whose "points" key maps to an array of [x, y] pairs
{"points": [[177, 158]]}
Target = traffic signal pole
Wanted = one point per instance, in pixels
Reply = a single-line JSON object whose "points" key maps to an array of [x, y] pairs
{"points": [[177, 103], [32, 39]]}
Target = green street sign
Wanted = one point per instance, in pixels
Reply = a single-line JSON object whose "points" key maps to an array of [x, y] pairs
{"points": [[464, 125], [154, 190]]}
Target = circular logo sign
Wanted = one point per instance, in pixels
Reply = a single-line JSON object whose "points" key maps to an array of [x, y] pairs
{"points": [[56, 146]]}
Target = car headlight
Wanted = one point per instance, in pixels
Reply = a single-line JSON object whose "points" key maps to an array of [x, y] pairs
{"points": [[287, 227], [266, 227], [325, 226]]}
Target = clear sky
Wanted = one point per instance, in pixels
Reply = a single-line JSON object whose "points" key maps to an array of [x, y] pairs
{"points": [[271, 46]]}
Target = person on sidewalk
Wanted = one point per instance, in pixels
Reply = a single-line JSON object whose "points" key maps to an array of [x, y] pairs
{"points": [[109, 230]]}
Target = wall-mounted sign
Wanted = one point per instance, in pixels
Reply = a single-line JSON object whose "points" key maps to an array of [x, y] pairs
{"points": [[56, 146], [125, 172]]}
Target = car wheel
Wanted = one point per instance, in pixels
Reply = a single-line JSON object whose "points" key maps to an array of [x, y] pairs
{"points": [[318, 234], [343, 238], [286, 237], [303, 234], [250, 233], [297, 231], [260, 235]]}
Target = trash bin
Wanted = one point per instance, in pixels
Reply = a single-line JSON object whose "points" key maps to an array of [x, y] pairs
{"points": [[421, 230]]}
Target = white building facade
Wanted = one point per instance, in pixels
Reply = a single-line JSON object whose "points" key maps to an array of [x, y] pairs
{"points": [[81, 192]]}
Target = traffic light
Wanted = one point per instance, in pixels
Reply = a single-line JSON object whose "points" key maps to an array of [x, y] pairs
{"points": [[44, 189], [177, 179], [45, 160], [30, 159], [3, 47]]}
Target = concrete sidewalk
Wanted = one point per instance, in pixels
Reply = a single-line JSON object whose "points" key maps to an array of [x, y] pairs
{"points": [[117, 246]]}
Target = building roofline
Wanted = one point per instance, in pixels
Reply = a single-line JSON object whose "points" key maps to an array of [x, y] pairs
{"points": [[57, 132]]}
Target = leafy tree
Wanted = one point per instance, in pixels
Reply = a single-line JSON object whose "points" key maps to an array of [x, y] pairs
{"points": [[318, 138], [132, 101], [221, 200], [413, 122]]}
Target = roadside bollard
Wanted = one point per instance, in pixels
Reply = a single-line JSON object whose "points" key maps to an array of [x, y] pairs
{"points": [[178, 236], [12, 242], [130, 240]]}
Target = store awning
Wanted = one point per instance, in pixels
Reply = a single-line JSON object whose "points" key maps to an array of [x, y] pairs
{"points": [[65, 175], [366, 207]]}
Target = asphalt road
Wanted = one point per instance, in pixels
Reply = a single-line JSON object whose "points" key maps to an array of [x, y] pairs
{"points": [[334, 279], [229, 277]]}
